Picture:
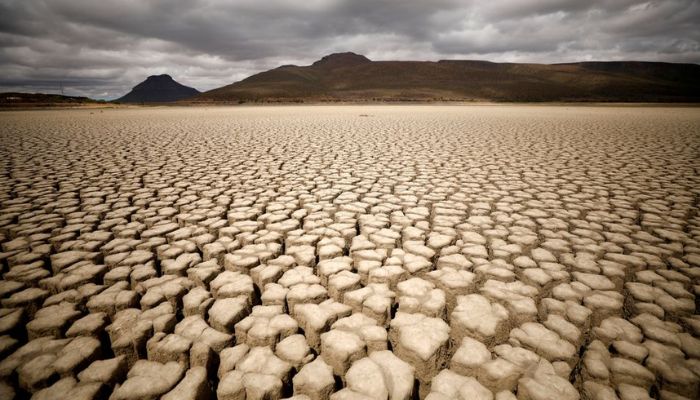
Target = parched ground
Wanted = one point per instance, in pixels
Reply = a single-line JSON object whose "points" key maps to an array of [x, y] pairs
{"points": [[357, 252]]}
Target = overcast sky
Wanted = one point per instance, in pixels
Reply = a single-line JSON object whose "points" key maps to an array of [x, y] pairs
{"points": [[101, 48]]}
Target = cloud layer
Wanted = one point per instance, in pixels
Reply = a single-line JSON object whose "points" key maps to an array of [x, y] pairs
{"points": [[103, 48]]}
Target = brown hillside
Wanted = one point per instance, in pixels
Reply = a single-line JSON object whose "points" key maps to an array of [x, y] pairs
{"points": [[352, 77]]}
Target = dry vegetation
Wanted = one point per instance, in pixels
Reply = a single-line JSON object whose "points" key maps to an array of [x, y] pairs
{"points": [[386, 252]]}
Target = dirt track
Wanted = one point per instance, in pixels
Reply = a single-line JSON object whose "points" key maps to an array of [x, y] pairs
{"points": [[356, 252]]}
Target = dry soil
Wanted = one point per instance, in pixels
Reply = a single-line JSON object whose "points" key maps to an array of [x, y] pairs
{"points": [[350, 252]]}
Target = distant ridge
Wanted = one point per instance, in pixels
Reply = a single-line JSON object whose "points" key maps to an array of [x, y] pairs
{"points": [[353, 77], [19, 100], [158, 89]]}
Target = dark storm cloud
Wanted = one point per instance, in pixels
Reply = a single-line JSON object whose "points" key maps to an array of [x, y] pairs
{"points": [[102, 48]]}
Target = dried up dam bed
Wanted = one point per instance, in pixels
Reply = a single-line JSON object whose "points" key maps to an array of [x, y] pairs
{"points": [[350, 252]]}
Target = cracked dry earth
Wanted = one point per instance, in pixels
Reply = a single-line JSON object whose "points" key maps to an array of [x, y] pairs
{"points": [[357, 252]]}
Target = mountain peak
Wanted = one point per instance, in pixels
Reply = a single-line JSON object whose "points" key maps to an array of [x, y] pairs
{"points": [[346, 59], [161, 77], [158, 89]]}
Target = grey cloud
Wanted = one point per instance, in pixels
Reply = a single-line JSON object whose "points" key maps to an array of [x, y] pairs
{"points": [[102, 48]]}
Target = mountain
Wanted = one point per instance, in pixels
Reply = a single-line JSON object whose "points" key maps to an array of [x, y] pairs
{"points": [[353, 77], [158, 89]]}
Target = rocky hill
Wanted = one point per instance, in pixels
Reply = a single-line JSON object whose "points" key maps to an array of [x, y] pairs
{"points": [[158, 89]]}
